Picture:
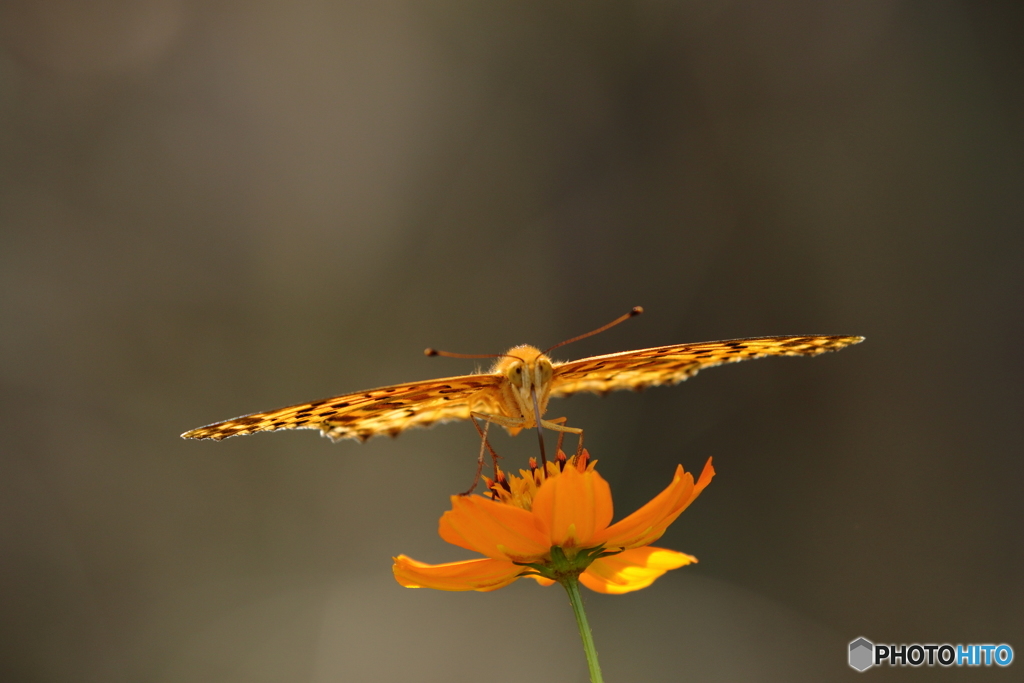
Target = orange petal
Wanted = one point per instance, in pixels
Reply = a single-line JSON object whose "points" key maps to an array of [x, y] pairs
{"points": [[705, 478], [632, 570], [647, 524], [497, 530], [471, 575], [573, 506]]}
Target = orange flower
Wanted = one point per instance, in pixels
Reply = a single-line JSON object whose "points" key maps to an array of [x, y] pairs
{"points": [[555, 523]]}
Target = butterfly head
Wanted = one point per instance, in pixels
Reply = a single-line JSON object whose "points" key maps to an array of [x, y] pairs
{"points": [[526, 370]]}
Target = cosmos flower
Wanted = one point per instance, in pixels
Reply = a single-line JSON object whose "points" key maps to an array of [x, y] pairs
{"points": [[554, 524]]}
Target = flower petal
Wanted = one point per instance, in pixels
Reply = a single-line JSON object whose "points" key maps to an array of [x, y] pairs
{"points": [[470, 575], [494, 529], [573, 506], [647, 524], [632, 570], [540, 579]]}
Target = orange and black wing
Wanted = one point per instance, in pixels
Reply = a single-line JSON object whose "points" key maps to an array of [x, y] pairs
{"points": [[387, 410], [672, 364]]}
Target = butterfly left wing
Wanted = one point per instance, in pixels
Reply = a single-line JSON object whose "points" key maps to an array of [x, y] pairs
{"points": [[672, 364], [387, 410]]}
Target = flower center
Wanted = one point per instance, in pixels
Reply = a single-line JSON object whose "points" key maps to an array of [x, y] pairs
{"points": [[520, 490]]}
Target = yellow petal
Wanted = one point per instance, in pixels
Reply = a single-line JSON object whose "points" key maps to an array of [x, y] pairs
{"points": [[647, 524], [632, 570], [471, 575], [573, 506], [497, 530], [540, 579]]}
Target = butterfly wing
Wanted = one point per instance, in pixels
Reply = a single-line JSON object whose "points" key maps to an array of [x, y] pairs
{"points": [[672, 364], [387, 410]]}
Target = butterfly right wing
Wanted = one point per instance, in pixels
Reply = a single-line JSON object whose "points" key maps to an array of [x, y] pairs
{"points": [[672, 364], [387, 410]]}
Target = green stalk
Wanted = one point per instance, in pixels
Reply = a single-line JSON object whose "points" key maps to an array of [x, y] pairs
{"points": [[572, 587]]}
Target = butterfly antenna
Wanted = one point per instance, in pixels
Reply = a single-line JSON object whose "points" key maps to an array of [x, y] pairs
{"points": [[448, 354], [637, 310]]}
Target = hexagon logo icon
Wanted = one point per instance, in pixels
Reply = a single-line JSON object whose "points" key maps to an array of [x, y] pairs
{"points": [[862, 654]]}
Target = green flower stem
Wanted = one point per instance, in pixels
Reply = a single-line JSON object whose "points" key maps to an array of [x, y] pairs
{"points": [[572, 587]]}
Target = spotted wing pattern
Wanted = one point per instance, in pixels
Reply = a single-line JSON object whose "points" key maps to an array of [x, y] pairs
{"points": [[638, 370], [388, 410]]}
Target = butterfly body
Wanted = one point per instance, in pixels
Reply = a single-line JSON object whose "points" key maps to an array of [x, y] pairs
{"points": [[515, 392], [525, 372]]}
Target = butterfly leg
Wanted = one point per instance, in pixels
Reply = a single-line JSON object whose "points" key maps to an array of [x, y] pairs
{"points": [[507, 422], [558, 425], [561, 434], [484, 445]]}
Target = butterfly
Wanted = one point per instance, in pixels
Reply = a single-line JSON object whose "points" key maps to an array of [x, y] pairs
{"points": [[516, 390]]}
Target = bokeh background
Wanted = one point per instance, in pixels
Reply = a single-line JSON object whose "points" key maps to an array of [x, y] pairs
{"points": [[212, 208]]}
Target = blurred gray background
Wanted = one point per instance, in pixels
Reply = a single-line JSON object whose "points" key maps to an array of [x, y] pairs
{"points": [[212, 208]]}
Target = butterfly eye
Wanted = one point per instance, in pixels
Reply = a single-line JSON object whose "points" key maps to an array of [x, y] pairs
{"points": [[544, 371], [515, 374]]}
